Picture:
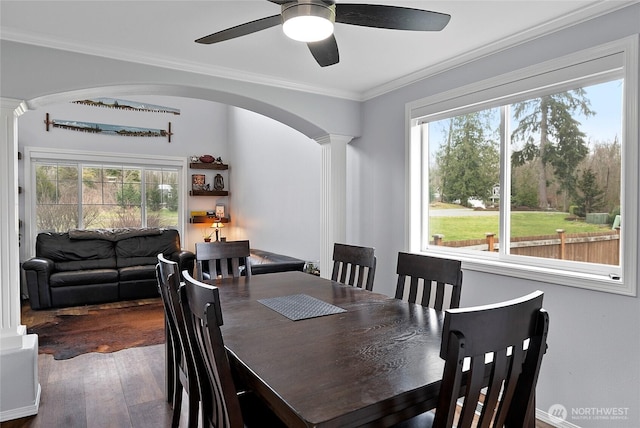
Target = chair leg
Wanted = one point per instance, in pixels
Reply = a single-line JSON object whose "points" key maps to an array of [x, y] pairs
{"points": [[177, 406], [194, 410], [170, 370]]}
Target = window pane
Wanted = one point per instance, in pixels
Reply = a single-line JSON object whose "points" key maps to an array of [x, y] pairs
{"points": [[56, 197], [46, 184], [111, 196], [464, 177], [161, 198], [129, 195], [565, 175]]}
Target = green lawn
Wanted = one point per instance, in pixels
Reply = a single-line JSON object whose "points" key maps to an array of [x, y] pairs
{"points": [[522, 224]]}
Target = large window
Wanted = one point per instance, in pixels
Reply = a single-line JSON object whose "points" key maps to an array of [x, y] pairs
{"points": [[533, 174], [88, 191], [89, 196]]}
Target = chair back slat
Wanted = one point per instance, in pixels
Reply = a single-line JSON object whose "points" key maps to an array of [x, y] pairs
{"points": [[222, 259], [202, 304], [422, 272], [474, 385], [351, 264], [501, 365], [513, 335]]}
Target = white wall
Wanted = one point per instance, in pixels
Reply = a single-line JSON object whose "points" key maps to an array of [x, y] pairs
{"points": [[594, 338], [275, 185]]}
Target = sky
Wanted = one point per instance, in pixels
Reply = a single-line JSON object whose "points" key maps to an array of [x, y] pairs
{"points": [[604, 126]]}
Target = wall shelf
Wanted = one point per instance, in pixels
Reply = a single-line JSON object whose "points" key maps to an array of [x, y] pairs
{"points": [[218, 166], [208, 193], [207, 219]]}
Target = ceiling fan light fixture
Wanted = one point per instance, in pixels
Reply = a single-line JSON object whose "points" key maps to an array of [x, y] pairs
{"points": [[308, 22]]}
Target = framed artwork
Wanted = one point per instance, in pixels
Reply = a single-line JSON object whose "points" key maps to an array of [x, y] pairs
{"points": [[198, 182], [107, 129], [121, 104], [220, 211]]}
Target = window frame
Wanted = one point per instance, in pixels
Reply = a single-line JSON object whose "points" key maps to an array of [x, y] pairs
{"points": [[42, 154], [506, 89]]}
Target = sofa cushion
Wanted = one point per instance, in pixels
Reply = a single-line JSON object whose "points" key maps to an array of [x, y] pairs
{"points": [[136, 273], [143, 250], [113, 234], [85, 295], [70, 254], [83, 277]]}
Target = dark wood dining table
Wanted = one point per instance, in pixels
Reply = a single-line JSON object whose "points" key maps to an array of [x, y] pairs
{"points": [[372, 365]]}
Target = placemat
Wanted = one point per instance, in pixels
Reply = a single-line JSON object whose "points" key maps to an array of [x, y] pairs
{"points": [[300, 306]]}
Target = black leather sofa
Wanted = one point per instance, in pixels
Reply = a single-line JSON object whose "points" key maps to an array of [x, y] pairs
{"points": [[94, 266]]}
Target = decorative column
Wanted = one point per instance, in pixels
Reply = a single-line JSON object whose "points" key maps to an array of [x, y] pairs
{"points": [[19, 387], [334, 197]]}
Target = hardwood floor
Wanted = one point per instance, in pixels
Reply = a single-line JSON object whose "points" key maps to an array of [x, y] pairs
{"points": [[117, 390], [121, 389]]}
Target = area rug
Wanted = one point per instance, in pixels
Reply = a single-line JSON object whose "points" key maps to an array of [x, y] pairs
{"points": [[69, 333]]}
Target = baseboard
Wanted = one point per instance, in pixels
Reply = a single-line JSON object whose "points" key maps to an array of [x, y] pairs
{"points": [[553, 420], [22, 412]]}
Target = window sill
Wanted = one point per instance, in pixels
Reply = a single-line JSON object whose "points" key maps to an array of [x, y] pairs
{"points": [[590, 281]]}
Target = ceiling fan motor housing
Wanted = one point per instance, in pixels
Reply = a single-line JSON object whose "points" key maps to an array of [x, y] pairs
{"points": [[298, 16]]}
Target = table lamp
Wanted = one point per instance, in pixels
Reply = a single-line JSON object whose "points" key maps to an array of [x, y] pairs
{"points": [[217, 225]]}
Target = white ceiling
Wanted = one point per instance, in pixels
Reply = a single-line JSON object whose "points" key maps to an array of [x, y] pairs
{"points": [[372, 61]]}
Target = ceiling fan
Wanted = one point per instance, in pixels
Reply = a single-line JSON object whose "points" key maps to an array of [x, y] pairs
{"points": [[311, 21]]}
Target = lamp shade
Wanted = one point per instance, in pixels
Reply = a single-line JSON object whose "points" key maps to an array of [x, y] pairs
{"points": [[308, 22]]}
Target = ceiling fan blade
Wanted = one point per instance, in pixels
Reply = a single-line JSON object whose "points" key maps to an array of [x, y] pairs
{"points": [[391, 17], [325, 51], [241, 30]]}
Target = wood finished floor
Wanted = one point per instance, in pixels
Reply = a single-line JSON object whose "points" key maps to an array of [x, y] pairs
{"points": [[117, 390], [120, 389]]}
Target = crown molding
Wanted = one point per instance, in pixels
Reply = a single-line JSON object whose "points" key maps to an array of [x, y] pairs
{"points": [[15, 35]]}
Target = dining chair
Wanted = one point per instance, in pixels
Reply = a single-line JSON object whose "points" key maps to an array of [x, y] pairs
{"points": [[222, 406], [498, 347], [421, 272], [225, 259], [351, 264], [181, 373]]}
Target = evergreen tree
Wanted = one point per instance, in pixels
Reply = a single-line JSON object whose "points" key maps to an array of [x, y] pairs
{"points": [[552, 136], [468, 162], [591, 196]]}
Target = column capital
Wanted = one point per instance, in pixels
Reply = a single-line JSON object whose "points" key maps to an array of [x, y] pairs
{"points": [[334, 138], [18, 107]]}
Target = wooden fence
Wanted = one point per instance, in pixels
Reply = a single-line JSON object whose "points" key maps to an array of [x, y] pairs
{"points": [[592, 247]]}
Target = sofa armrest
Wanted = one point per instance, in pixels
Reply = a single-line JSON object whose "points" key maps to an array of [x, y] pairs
{"points": [[37, 272]]}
